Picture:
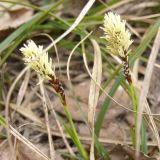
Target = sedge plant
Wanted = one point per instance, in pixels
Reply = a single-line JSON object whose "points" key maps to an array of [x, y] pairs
{"points": [[37, 58], [118, 41]]}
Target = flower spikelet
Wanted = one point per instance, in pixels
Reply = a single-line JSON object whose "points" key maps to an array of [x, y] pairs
{"points": [[37, 58], [116, 35]]}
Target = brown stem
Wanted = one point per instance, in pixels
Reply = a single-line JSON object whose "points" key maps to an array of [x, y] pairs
{"points": [[126, 69], [57, 85]]}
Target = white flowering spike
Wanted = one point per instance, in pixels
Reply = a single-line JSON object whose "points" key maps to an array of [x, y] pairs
{"points": [[116, 35], [37, 58]]}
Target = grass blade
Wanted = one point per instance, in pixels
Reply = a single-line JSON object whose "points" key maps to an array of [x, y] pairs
{"points": [[22, 32]]}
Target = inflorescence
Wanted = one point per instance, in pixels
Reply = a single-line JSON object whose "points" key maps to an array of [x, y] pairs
{"points": [[118, 39], [37, 59]]}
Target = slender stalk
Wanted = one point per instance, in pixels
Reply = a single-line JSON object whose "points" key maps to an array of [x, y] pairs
{"points": [[134, 101], [135, 106], [77, 141], [143, 129], [57, 85]]}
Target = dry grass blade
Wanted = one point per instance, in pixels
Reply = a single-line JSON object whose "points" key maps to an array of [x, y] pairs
{"points": [[70, 56], [97, 75], [116, 5], [7, 107], [29, 96], [26, 112], [62, 134], [94, 91], [59, 126], [75, 24], [55, 47], [145, 17], [23, 88], [115, 101], [145, 87], [87, 139], [52, 151], [153, 125], [28, 143], [135, 70]]}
